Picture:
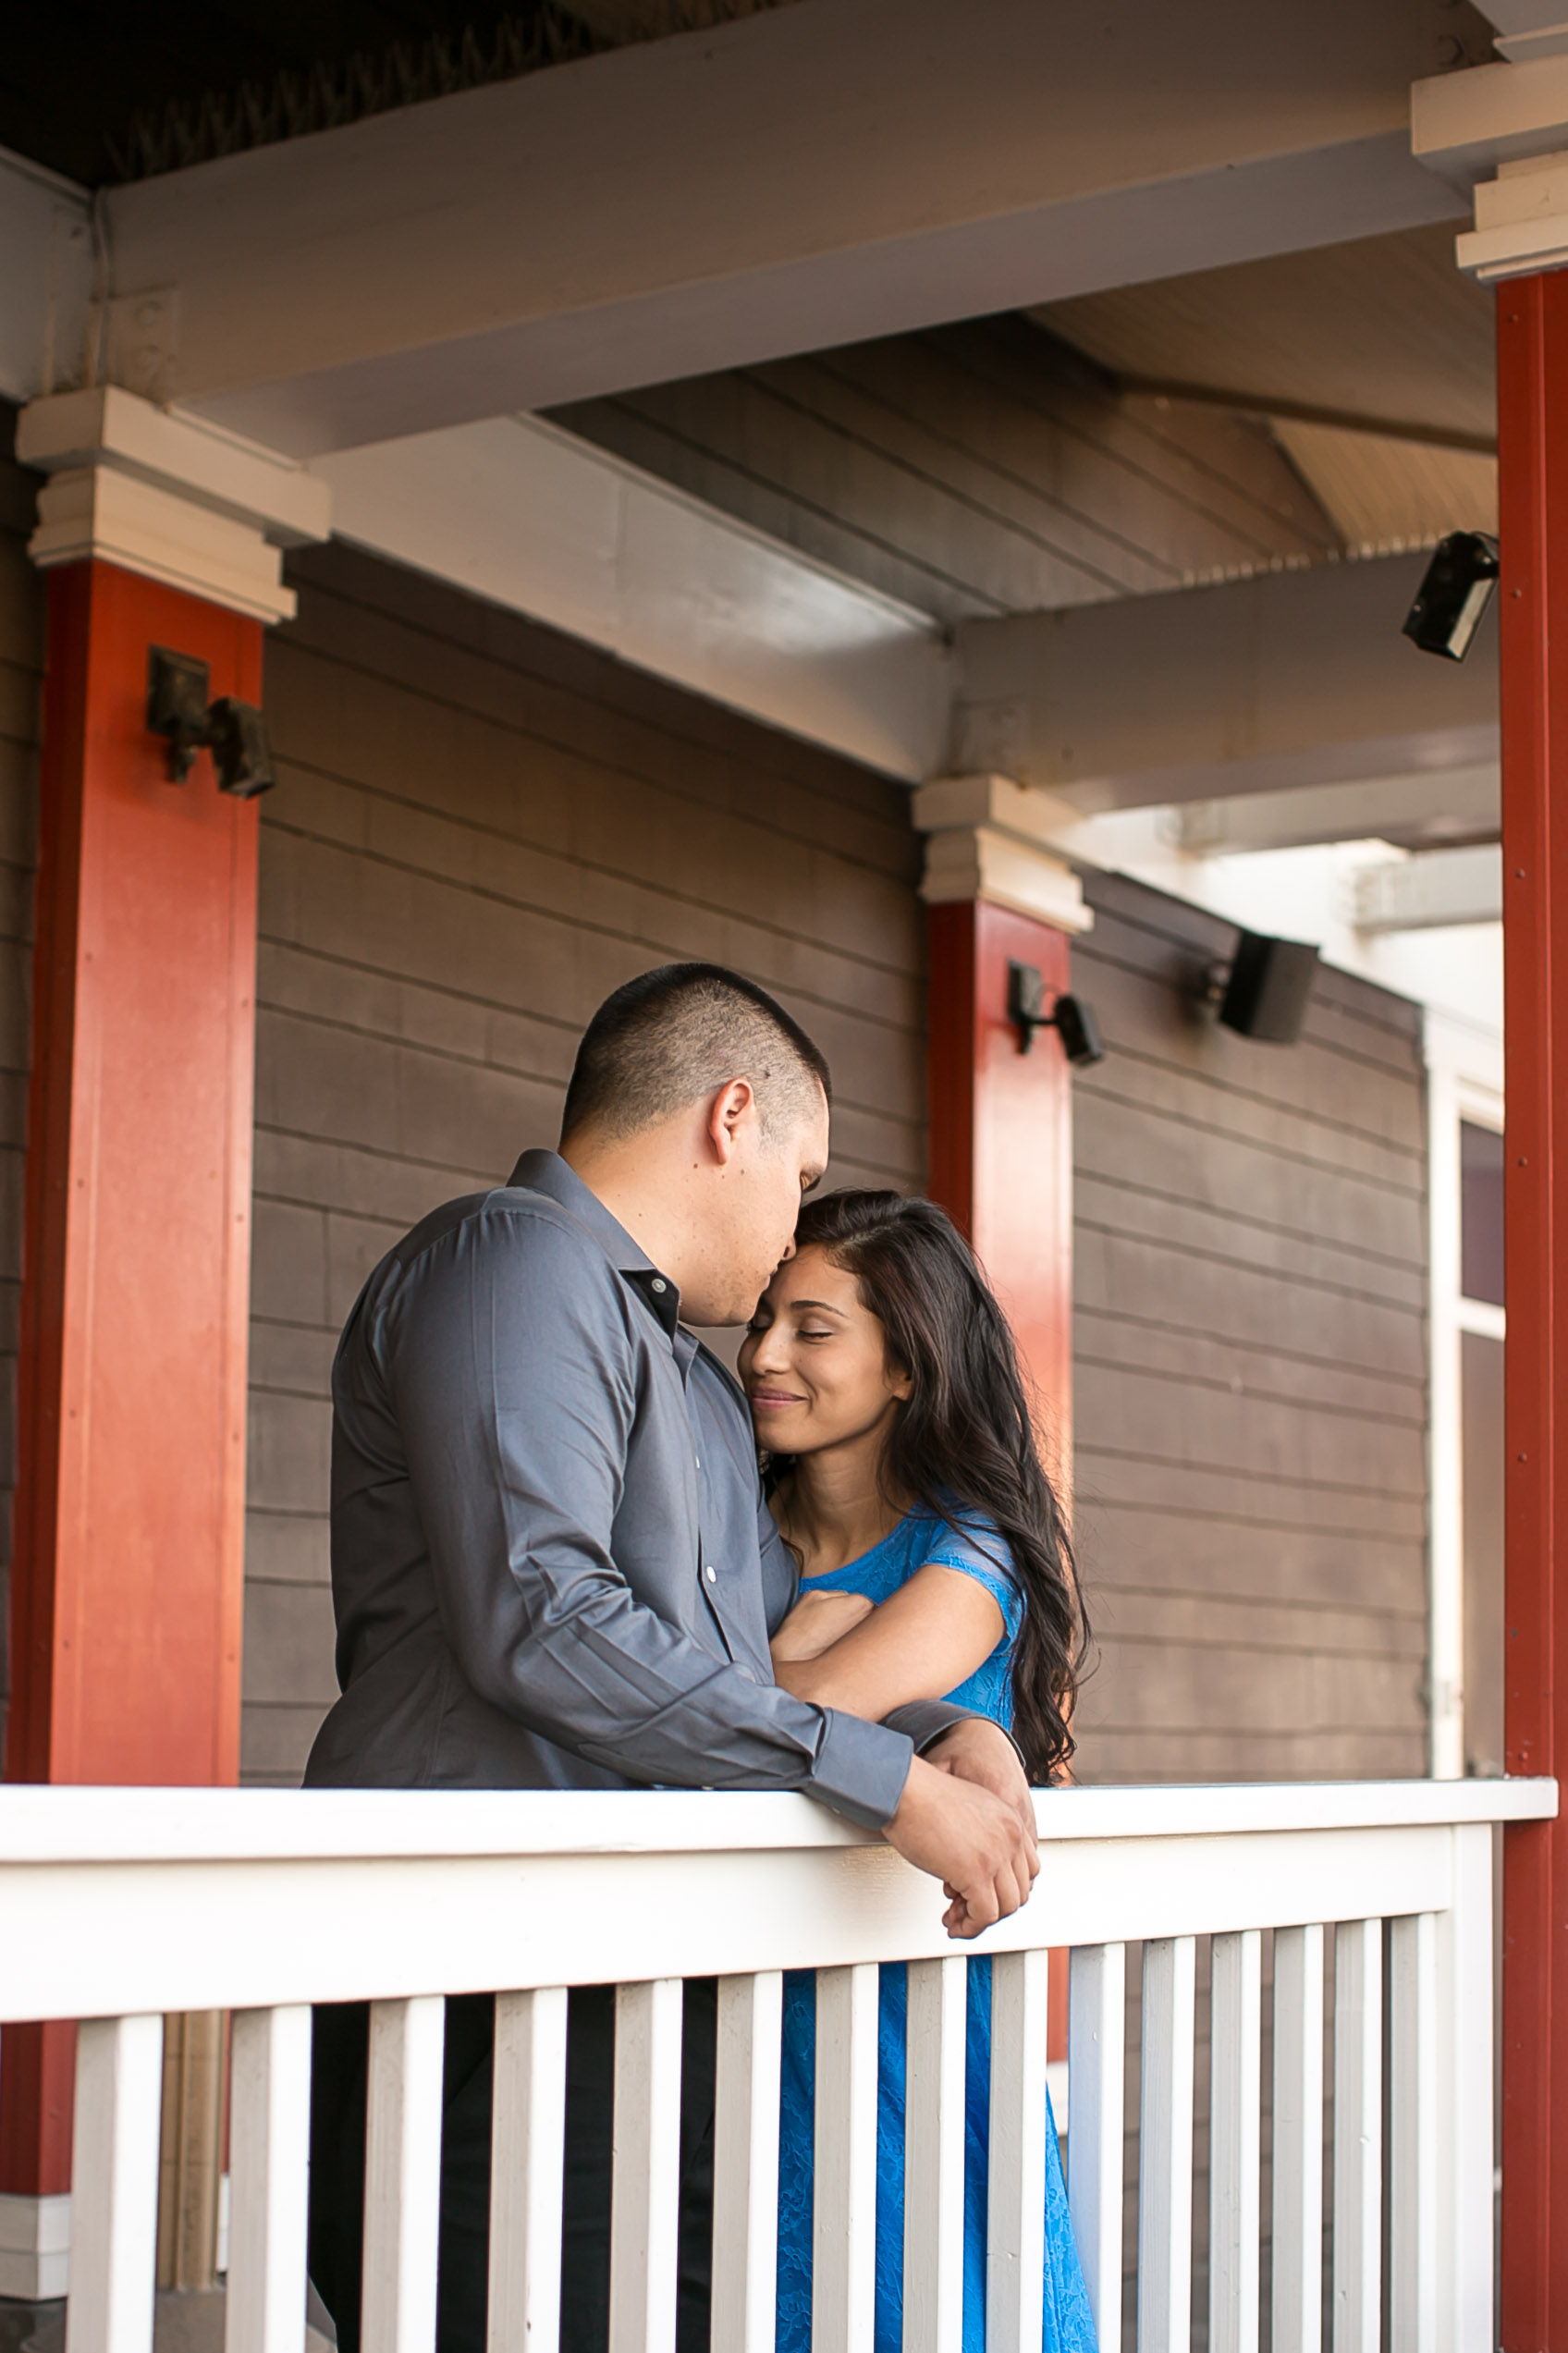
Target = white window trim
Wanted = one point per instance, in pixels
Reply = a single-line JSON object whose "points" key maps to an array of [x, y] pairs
{"points": [[1463, 1082]]}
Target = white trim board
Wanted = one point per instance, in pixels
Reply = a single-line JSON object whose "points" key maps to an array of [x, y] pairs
{"points": [[534, 519]]}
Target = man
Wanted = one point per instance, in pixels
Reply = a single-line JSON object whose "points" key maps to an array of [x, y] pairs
{"points": [[553, 1567]]}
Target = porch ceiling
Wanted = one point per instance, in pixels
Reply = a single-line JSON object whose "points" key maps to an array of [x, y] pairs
{"points": [[1379, 332]]}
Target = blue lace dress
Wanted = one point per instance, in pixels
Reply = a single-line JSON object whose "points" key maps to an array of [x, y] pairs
{"points": [[1068, 2325]]}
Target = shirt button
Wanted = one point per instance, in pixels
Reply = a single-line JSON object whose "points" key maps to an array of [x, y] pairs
{"points": [[659, 1283], [712, 1574]]}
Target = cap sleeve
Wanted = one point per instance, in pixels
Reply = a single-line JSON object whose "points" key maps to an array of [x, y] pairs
{"points": [[976, 1549]]}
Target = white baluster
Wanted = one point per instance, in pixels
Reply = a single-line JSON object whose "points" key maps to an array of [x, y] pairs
{"points": [[1359, 2135], [1413, 2122], [1464, 2063], [269, 2157], [527, 2144], [119, 2070], [1097, 2041], [1015, 2260], [1235, 2057], [1165, 2153], [844, 2190], [402, 2175], [1298, 2139], [645, 2194], [745, 2187], [934, 2148]]}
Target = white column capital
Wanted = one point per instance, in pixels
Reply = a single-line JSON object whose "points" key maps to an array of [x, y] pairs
{"points": [[1499, 134], [988, 837], [171, 498]]}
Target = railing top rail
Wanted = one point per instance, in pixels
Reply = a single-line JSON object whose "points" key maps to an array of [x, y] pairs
{"points": [[120, 1825]]}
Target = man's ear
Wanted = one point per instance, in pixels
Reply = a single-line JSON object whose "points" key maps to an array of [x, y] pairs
{"points": [[732, 1108]]}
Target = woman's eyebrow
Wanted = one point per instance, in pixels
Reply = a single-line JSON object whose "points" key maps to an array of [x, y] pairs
{"points": [[823, 1307]]}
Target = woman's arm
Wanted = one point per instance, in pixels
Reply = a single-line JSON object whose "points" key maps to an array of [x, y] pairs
{"points": [[920, 1644]]}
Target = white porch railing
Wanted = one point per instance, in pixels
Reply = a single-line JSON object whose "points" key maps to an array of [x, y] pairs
{"points": [[118, 1906]]}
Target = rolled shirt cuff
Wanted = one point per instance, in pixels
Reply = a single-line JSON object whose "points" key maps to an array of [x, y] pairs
{"points": [[861, 1769], [926, 1720]]}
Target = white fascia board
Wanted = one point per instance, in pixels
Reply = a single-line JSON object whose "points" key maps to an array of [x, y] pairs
{"points": [[1295, 678], [809, 176], [45, 279], [533, 519]]}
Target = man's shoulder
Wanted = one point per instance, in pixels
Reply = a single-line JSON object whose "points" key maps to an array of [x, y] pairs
{"points": [[509, 1214]]}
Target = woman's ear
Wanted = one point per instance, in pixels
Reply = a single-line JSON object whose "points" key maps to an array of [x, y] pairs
{"points": [[901, 1384]]}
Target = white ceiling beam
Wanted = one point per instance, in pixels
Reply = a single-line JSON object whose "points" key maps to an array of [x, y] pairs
{"points": [[811, 176], [45, 279], [1436, 891], [533, 519], [1293, 679], [1419, 808]]}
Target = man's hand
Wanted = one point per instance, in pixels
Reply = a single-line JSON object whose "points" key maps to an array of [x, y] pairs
{"points": [[970, 1840], [980, 1751]]}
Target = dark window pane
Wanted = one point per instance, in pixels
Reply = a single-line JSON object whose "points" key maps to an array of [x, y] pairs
{"points": [[1480, 1212], [1481, 1453]]}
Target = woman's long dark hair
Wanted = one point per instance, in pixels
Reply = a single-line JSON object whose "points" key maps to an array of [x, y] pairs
{"points": [[963, 1442]]}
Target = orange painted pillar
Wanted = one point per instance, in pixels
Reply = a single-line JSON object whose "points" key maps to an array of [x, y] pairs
{"points": [[127, 1573], [1001, 1119], [1002, 1137], [1533, 471], [1001, 1157]]}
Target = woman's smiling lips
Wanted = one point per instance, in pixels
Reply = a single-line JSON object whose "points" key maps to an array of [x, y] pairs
{"points": [[769, 1400]]}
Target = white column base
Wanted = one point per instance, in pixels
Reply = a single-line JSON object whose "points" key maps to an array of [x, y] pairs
{"points": [[35, 2248]]}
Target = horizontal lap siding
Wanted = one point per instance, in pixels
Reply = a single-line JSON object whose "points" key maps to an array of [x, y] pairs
{"points": [[22, 663], [974, 470], [1250, 1370], [482, 828]]}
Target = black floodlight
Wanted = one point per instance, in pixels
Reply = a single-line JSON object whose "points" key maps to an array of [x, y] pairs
{"points": [[1072, 1021], [1454, 594], [233, 731], [242, 753], [1267, 987], [177, 706]]}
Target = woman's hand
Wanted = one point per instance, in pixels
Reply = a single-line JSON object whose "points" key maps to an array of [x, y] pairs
{"points": [[815, 1622]]}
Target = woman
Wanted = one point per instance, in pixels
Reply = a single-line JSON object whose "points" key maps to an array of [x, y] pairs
{"points": [[885, 1393]]}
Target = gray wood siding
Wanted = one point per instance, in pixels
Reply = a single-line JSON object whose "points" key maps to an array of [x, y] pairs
{"points": [[21, 664], [974, 470], [481, 828], [1250, 1369]]}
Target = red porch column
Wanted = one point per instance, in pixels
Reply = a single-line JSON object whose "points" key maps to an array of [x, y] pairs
{"points": [[125, 1580], [1533, 442], [1000, 1118]]}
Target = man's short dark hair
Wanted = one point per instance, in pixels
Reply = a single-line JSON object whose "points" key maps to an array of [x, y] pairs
{"points": [[679, 1033]]}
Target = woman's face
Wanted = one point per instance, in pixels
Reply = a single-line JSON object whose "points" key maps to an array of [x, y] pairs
{"points": [[815, 1362]]}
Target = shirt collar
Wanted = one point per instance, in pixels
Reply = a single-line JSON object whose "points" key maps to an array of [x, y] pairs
{"points": [[547, 1173]]}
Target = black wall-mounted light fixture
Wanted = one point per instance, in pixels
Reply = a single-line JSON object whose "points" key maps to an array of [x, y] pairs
{"points": [[1263, 991], [1455, 591], [1072, 1021], [234, 732]]}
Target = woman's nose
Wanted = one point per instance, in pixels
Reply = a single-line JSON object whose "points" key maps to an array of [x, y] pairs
{"points": [[768, 1349]]}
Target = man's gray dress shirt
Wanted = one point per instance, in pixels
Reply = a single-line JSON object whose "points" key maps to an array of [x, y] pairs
{"points": [[551, 1565]]}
